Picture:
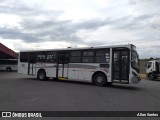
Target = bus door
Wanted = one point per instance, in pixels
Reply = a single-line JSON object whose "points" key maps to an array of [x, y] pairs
{"points": [[120, 66], [63, 59], [32, 64]]}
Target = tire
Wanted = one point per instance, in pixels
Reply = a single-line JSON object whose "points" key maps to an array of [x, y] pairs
{"points": [[151, 77], [8, 69], [100, 79], [41, 75]]}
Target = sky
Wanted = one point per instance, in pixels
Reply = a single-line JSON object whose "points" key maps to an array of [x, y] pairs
{"points": [[50, 24]]}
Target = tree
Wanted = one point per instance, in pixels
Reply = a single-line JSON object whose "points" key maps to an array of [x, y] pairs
{"points": [[151, 58]]}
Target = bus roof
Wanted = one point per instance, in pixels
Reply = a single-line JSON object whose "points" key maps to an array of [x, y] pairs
{"points": [[84, 48]]}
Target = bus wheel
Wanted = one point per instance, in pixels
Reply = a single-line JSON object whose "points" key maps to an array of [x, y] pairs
{"points": [[99, 79], [151, 77], [41, 75], [8, 69]]}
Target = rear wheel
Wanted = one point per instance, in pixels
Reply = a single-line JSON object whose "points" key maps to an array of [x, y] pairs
{"points": [[8, 69], [100, 79], [41, 75]]}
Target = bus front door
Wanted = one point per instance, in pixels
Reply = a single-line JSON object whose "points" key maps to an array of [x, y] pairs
{"points": [[120, 66], [63, 59]]}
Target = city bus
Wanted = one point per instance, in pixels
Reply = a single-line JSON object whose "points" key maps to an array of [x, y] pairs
{"points": [[8, 64], [101, 65]]}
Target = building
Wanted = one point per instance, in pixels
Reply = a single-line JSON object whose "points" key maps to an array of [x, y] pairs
{"points": [[6, 53]]}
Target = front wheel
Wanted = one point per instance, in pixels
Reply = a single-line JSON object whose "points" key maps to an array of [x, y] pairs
{"points": [[41, 75], [151, 77], [100, 79], [8, 69]]}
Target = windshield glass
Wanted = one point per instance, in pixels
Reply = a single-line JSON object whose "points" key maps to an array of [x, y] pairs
{"points": [[135, 61]]}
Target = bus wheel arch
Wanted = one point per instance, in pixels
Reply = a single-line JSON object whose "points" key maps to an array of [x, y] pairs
{"points": [[41, 74], [8, 69], [99, 78]]}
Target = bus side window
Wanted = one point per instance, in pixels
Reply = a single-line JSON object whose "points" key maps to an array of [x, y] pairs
{"points": [[88, 56], [75, 57], [3, 62], [33, 57], [41, 57], [24, 57], [102, 56], [51, 57]]}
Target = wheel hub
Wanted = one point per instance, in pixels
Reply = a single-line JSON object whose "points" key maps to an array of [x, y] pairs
{"points": [[99, 79], [41, 76]]}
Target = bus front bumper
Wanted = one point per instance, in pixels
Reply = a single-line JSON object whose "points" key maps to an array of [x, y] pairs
{"points": [[135, 79]]}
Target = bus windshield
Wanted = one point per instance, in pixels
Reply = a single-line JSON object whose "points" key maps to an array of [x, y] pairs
{"points": [[135, 61]]}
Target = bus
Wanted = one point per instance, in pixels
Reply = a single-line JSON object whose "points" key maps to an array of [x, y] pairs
{"points": [[100, 65], [8, 64]]}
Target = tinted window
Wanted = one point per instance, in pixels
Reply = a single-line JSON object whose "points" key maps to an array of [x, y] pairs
{"points": [[102, 56], [88, 56], [13, 62], [33, 57], [87, 59], [41, 57], [3, 62], [24, 57], [63, 57], [75, 57], [88, 53], [76, 53], [51, 57]]}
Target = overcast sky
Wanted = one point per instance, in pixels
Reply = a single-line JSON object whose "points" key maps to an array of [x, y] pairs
{"points": [[48, 24]]}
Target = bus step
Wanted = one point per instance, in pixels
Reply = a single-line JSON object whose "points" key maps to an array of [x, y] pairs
{"points": [[121, 81], [62, 78]]}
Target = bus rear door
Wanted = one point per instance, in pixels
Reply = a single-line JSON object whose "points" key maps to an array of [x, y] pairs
{"points": [[63, 59], [32, 64]]}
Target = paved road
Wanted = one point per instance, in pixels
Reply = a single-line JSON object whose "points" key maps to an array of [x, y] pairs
{"points": [[20, 92]]}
